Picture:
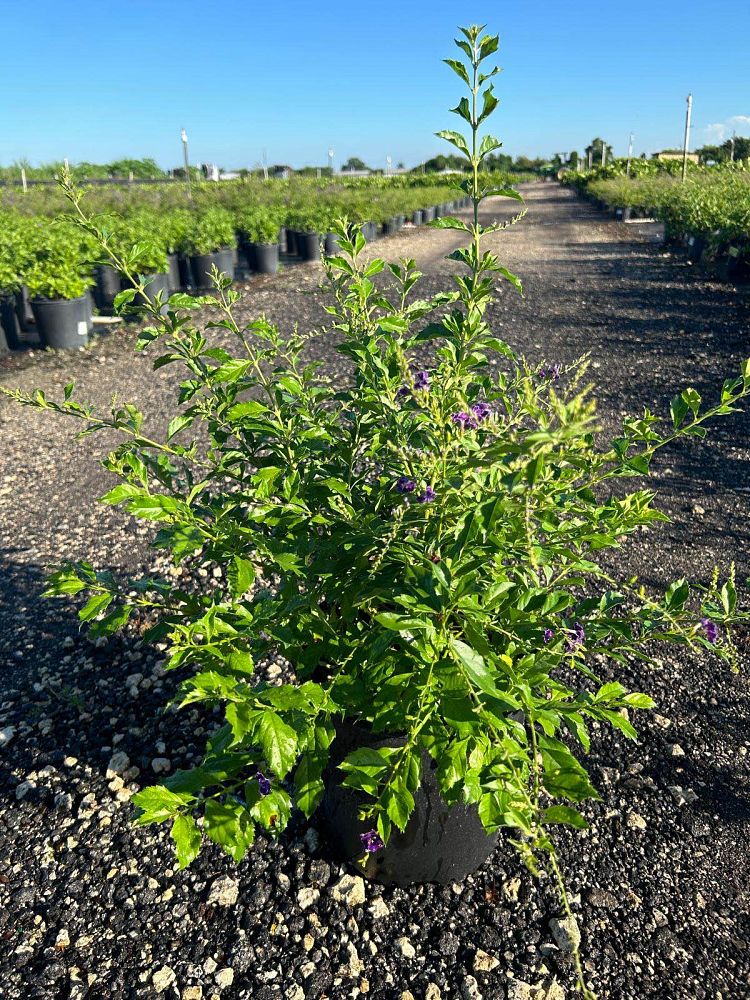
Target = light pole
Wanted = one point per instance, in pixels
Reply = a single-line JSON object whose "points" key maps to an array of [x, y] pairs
{"points": [[183, 136], [330, 161], [688, 115], [630, 153], [604, 152], [388, 162], [731, 148]]}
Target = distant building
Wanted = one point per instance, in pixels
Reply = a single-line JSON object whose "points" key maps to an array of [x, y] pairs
{"points": [[675, 154], [281, 171]]}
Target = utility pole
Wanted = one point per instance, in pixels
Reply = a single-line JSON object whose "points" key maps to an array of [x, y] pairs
{"points": [[265, 165], [686, 147], [591, 157], [388, 162], [330, 160], [23, 180], [630, 153], [183, 136], [604, 152], [731, 148]]}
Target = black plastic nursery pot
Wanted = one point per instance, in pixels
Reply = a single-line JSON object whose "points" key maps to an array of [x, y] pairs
{"points": [[440, 844], [331, 245], [87, 310], [173, 271], [390, 226], [428, 214], [291, 242], [107, 287], [400, 220], [308, 246], [185, 271], [417, 218], [369, 231], [201, 264], [62, 323], [23, 309], [265, 257], [10, 329]]}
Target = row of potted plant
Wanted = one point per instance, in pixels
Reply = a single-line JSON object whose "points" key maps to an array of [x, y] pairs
{"points": [[708, 215], [54, 267]]}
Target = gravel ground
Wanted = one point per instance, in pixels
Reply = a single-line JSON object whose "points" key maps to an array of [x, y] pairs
{"points": [[92, 907]]}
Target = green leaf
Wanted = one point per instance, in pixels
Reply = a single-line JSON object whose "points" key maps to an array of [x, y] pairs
{"points": [[157, 803], [564, 814], [475, 667], [459, 68], [488, 145], [250, 408], [449, 222], [636, 700], [455, 139], [308, 784], [187, 840], [95, 605], [123, 298], [279, 743], [229, 825], [489, 103], [610, 692], [179, 423], [231, 371], [240, 574]]}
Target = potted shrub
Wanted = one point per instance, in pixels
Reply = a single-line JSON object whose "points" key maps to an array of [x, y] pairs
{"points": [[174, 227], [58, 280], [420, 545], [260, 230], [210, 243], [308, 223]]}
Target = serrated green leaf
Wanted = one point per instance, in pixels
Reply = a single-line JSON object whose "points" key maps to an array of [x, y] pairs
{"points": [[229, 825], [187, 840], [278, 742]]}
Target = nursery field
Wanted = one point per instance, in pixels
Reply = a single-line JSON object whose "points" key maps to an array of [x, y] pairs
{"points": [[93, 906]]}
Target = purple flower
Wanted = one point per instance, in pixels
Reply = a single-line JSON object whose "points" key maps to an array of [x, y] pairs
{"points": [[576, 637], [264, 785], [466, 421], [402, 392], [371, 841], [405, 485], [427, 496], [711, 629], [548, 635], [481, 410], [553, 372], [422, 380]]}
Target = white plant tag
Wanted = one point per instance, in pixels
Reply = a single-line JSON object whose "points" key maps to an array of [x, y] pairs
{"points": [[83, 328]]}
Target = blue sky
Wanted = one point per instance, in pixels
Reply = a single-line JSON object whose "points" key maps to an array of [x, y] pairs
{"points": [[96, 81]]}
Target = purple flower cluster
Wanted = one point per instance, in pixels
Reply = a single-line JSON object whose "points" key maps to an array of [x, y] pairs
{"points": [[371, 841], [427, 496], [576, 637], [405, 485], [264, 785], [549, 635], [554, 372], [470, 421], [711, 629], [465, 420], [420, 383]]}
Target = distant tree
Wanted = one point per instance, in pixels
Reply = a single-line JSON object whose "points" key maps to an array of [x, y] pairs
{"points": [[573, 160], [354, 163], [595, 149], [723, 153], [528, 163], [400, 165]]}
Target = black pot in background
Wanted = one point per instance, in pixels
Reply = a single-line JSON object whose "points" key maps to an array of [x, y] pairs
{"points": [[248, 252], [441, 843], [389, 227], [308, 246], [417, 217], [428, 214], [437, 211], [87, 310], [10, 330], [107, 287], [185, 271], [400, 220], [201, 263], [173, 270], [331, 245], [696, 246], [156, 283], [61, 323], [369, 231], [266, 257], [291, 242], [23, 309]]}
